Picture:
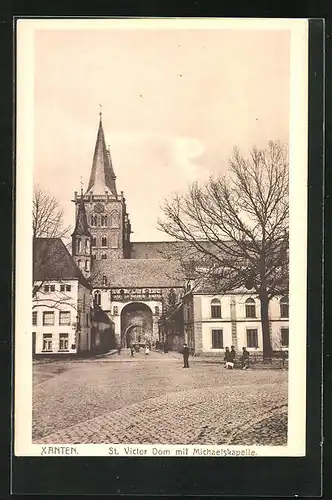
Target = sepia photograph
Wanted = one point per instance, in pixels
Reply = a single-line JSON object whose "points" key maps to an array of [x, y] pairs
{"points": [[161, 237]]}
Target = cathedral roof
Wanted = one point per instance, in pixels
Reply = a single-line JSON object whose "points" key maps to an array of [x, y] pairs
{"points": [[137, 273], [154, 249], [52, 261], [102, 176]]}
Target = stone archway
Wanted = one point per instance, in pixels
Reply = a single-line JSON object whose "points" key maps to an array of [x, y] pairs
{"points": [[136, 324]]}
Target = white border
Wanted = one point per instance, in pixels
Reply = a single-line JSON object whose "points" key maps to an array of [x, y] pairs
{"points": [[298, 225]]}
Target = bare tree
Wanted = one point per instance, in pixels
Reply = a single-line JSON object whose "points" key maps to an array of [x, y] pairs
{"points": [[47, 216], [47, 223], [234, 229]]}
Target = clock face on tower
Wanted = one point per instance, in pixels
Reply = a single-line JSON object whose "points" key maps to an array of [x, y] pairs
{"points": [[99, 207]]}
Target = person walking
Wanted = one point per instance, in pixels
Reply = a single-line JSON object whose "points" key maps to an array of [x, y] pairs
{"points": [[147, 349], [244, 359], [185, 354], [228, 359], [132, 350], [233, 355]]}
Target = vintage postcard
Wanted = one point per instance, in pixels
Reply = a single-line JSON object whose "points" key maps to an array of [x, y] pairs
{"points": [[161, 237]]}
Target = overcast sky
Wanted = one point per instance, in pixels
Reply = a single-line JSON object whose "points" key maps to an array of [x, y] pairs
{"points": [[175, 103]]}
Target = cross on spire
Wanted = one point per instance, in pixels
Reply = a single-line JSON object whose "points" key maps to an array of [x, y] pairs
{"points": [[81, 181], [100, 110]]}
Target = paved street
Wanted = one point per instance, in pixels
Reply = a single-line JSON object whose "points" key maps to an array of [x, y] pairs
{"points": [[152, 399]]}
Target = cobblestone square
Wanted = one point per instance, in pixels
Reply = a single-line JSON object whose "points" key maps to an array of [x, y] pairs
{"points": [[152, 399]]}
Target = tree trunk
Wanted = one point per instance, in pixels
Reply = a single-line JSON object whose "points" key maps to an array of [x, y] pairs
{"points": [[267, 350]]}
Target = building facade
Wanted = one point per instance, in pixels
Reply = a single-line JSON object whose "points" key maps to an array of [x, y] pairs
{"points": [[61, 301], [131, 282], [214, 322]]}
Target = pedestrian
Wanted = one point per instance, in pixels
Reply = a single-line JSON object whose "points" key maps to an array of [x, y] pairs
{"points": [[147, 350], [283, 356], [244, 359], [119, 349], [132, 350], [229, 364], [185, 354], [233, 355]]}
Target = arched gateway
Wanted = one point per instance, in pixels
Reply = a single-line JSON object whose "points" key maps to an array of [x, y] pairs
{"points": [[136, 324]]}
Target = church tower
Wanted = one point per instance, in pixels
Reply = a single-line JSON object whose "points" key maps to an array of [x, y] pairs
{"points": [[81, 239], [106, 211]]}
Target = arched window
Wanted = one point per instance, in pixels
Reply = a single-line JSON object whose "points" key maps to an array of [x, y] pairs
{"points": [[94, 220], [104, 256], [87, 244], [78, 245], [87, 265], [104, 280], [103, 220], [250, 308], [284, 307], [104, 241], [114, 219], [94, 241], [215, 308], [97, 297]]}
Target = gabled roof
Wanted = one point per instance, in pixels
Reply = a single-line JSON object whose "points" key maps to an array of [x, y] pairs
{"points": [[137, 273], [52, 261], [102, 175]]}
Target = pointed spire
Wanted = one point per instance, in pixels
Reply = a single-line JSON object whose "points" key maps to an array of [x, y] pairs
{"points": [[102, 174], [81, 227]]}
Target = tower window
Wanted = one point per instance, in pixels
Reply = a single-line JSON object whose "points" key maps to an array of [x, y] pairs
{"points": [[87, 265], [94, 241], [87, 244], [104, 221], [78, 245], [104, 241], [104, 280], [94, 220], [79, 263], [103, 256]]}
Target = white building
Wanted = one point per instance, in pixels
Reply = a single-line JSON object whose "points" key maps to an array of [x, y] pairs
{"points": [[61, 301], [214, 322]]}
